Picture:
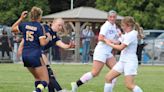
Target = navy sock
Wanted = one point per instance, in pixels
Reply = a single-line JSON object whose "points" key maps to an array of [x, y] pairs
{"points": [[36, 83], [79, 83], [53, 82], [41, 86]]}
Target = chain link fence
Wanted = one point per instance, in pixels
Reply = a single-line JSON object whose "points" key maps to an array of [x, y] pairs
{"points": [[152, 52]]}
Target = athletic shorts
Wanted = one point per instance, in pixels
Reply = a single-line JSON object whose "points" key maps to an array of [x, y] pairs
{"points": [[102, 55], [127, 68], [31, 58]]}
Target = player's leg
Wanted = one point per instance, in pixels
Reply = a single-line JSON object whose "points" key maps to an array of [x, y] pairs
{"points": [[108, 87], [110, 63], [116, 71], [112, 74], [41, 74], [130, 70], [96, 68], [53, 82], [129, 81]]}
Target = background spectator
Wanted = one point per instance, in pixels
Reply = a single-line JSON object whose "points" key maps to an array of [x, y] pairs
{"points": [[87, 34], [5, 44]]}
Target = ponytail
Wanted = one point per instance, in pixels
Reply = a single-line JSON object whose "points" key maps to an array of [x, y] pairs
{"points": [[140, 31]]}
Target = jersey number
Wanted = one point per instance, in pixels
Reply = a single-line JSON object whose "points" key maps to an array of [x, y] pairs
{"points": [[29, 36]]}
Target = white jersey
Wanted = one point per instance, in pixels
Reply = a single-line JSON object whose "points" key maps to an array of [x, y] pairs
{"points": [[128, 54], [103, 51], [109, 31]]}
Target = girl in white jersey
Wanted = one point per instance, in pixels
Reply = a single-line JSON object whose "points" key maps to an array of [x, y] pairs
{"points": [[102, 54], [128, 62]]}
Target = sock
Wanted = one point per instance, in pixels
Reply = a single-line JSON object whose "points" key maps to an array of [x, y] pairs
{"points": [[86, 77], [114, 82], [108, 87], [36, 83], [79, 83], [137, 89], [53, 82], [41, 86]]}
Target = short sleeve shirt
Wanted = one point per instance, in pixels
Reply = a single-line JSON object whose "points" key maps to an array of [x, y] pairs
{"points": [[109, 31], [31, 31], [130, 39], [55, 38]]}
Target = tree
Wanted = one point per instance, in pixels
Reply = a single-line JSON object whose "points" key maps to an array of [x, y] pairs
{"points": [[60, 5], [11, 9], [149, 13]]}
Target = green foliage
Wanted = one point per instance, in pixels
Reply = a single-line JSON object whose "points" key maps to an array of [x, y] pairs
{"points": [[11, 9], [149, 13]]}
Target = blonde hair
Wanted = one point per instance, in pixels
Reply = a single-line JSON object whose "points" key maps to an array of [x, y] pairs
{"points": [[35, 13], [128, 20], [112, 12], [58, 20]]}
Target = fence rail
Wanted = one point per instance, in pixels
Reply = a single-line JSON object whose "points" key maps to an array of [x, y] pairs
{"points": [[152, 53]]}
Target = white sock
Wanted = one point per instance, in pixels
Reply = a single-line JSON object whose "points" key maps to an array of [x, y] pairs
{"points": [[86, 77], [108, 87], [114, 82], [137, 89]]}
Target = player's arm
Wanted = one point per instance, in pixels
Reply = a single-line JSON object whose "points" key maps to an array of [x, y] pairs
{"points": [[101, 38], [20, 48], [63, 45], [15, 25], [117, 47], [44, 40]]}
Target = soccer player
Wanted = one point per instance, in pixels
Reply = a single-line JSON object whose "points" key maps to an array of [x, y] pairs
{"points": [[128, 62], [57, 25], [103, 52], [34, 39]]}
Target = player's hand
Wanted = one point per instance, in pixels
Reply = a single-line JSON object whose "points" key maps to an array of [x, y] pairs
{"points": [[107, 41], [24, 14], [71, 44], [49, 36]]}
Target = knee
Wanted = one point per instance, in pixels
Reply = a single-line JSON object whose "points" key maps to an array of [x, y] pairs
{"points": [[129, 86], [95, 74], [108, 79]]}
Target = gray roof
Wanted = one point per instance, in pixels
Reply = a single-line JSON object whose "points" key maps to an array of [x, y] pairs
{"points": [[80, 13]]}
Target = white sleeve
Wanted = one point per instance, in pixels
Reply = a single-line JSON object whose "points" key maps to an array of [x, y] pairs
{"points": [[129, 38], [103, 30], [121, 38]]}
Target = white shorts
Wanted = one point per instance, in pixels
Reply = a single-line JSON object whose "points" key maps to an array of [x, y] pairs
{"points": [[102, 56], [128, 68]]}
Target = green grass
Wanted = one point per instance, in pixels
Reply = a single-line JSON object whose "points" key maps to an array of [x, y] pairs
{"points": [[16, 78]]}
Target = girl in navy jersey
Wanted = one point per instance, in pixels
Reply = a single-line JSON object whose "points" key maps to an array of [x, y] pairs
{"points": [[34, 39], [128, 62], [57, 25]]}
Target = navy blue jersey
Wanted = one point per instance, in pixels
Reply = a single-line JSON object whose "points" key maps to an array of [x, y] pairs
{"points": [[31, 53], [31, 33], [54, 37]]}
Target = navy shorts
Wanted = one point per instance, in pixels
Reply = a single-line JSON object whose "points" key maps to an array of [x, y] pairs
{"points": [[32, 57]]}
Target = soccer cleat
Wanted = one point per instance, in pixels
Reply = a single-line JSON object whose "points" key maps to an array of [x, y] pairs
{"points": [[74, 86], [33, 91]]}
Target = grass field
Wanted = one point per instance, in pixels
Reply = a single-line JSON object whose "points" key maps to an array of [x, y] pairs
{"points": [[16, 78]]}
